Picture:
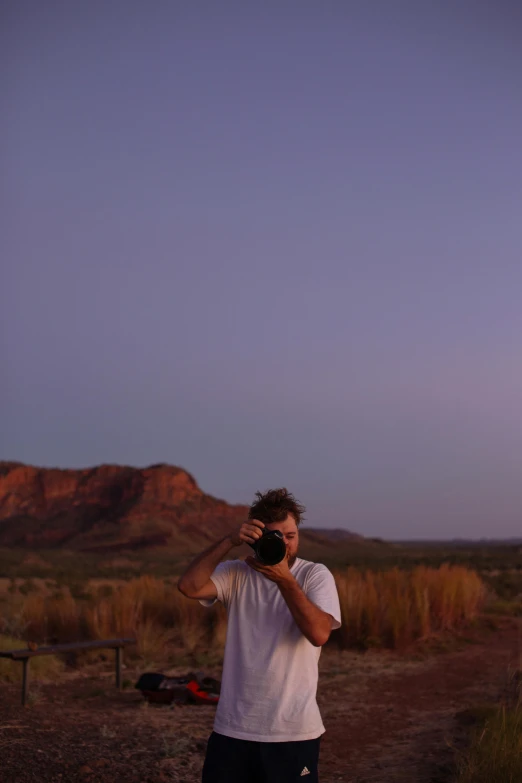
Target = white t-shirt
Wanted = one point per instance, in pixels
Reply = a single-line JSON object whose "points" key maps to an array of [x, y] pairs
{"points": [[270, 671]]}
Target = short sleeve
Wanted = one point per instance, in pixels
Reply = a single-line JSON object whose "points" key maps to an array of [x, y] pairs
{"points": [[321, 589], [223, 577]]}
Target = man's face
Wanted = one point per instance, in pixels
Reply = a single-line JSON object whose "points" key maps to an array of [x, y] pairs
{"points": [[290, 535]]}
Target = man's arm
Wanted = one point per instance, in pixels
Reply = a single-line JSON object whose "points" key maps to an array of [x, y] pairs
{"points": [[196, 581], [313, 623]]}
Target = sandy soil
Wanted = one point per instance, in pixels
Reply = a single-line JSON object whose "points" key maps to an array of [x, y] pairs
{"points": [[389, 719]]}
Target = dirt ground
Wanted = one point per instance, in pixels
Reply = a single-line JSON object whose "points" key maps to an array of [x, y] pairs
{"points": [[389, 718]]}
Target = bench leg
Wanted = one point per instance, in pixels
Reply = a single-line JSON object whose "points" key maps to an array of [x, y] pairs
{"points": [[119, 659], [25, 681]]}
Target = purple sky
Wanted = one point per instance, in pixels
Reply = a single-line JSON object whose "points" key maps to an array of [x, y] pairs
{"points": [[273, 243]]}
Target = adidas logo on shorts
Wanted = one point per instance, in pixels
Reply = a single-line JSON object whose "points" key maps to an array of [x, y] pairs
{"points": [[305, 771]]}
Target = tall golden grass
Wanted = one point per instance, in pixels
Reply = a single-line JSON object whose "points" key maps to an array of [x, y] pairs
{"points": [[395, 608], [148, 609], [156, 614], [389, 609]]}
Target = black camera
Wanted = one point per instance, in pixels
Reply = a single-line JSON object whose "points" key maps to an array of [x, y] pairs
{"points": [[270, 549]]}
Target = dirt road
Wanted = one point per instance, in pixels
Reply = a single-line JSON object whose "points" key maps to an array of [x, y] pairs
{"points": [[389, 719], [397, 724]]}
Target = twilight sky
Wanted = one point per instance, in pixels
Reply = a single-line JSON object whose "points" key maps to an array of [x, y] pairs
{"points": [[275, 243]]}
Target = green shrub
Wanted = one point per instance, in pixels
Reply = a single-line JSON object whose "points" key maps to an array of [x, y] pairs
{"points": [[495, 753], [505, 608]]}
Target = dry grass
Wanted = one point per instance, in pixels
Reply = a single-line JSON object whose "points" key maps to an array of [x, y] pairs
{"points": [[151, 610], [389, 609], [156, 613], [495, 753], [57, 617], [395, 608], [45, 667]]}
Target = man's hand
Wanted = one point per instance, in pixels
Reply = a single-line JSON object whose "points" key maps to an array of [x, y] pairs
{"points": [[313, 623], [247, 533], [278, 573]]}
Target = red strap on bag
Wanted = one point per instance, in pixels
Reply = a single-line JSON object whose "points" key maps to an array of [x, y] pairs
{"points": [[201, 695]]}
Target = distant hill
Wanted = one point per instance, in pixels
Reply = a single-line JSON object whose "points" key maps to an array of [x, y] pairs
{"points": [[334, 534], [460, 543], [117, 508], [109, 507]]}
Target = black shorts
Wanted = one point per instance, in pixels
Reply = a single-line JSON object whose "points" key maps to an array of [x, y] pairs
{"points": [[230, 760]]}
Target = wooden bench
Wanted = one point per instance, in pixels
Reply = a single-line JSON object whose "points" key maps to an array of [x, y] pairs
{"points": [[25, 655]]}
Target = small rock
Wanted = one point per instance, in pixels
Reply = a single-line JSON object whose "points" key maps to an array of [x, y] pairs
{"points": [[85, 770], [101, 763]]}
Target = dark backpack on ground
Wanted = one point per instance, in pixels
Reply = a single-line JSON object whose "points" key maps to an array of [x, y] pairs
{"points": [[192, 688]]}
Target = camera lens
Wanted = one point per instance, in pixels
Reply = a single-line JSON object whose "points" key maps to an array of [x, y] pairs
{"points": [[271, 549]]}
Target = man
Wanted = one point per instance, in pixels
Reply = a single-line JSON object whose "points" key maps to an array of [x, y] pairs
{"points": [[267, 727]]}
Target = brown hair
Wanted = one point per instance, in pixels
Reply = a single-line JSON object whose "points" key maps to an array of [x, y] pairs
{"points": [[275, 505]]}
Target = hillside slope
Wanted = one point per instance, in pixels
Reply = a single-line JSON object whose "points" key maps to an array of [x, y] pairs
{"points": [[108, 507], [116, 508]]}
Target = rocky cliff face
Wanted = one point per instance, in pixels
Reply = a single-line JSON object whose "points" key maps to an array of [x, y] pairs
{"points": [[108, 507]]}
